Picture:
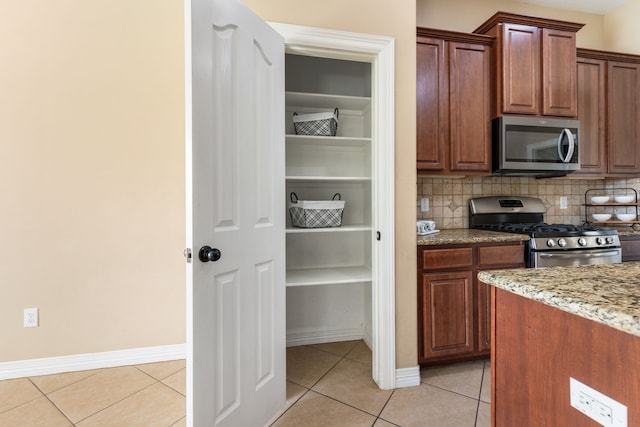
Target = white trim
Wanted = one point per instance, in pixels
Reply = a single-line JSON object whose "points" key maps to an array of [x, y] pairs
{"points": [[408, 377], [319, 337], [86, 361], [188, 165], [380, 52]]}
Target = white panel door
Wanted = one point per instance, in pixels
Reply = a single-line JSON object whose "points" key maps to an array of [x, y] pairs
{"points": [[235, 150]]}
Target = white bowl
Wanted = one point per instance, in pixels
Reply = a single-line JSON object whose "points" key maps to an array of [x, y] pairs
{"points": [[624, 199], [599, 199], [626, 216], [601, 217]]}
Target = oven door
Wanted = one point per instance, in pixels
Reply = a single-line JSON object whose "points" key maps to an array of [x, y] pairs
{"points": [[576, 257]]}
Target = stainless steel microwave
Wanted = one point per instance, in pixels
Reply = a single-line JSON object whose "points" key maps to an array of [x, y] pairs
{"points": [[535, 146]]}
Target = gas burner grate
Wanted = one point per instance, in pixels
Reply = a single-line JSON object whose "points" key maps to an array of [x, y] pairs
{"points": [[527, 228]]}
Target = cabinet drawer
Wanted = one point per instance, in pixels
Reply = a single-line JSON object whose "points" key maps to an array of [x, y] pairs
{"points": [[438, 259], [500, 255]]}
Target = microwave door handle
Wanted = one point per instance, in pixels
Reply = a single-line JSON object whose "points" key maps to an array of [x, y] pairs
{"points": [[572, 145]]}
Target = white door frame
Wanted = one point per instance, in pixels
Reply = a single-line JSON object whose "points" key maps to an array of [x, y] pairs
{"points": [[379, 51]]}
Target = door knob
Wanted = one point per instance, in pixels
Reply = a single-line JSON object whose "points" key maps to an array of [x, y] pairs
{"points": [[207, 253]]}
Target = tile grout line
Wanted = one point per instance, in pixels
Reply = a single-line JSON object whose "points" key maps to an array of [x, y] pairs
{"points": [[118, 401], [161, 381], [320, 379], [46, 396]]}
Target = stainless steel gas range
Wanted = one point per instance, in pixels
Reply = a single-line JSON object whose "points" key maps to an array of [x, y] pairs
{"points": [[550, 244]]}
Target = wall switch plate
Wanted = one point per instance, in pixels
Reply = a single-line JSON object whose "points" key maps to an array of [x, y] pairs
{"points": [[424, 204], [31, 317], [595, 405], [563, 202]]}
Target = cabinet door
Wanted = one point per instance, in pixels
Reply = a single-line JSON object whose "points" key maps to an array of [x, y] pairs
{"points": [[630, 249], [623, 118], [559, 73], [520, 69], [447, 304], [431, 105], [469, 107], [591, 112]]}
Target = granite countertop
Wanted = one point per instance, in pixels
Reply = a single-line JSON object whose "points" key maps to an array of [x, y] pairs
{"points": [[607, 293], [467, 235], [628, 231]]}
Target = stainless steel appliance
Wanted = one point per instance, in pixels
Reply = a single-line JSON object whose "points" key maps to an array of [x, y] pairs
{"points": [[535, 146], [550, 245]]}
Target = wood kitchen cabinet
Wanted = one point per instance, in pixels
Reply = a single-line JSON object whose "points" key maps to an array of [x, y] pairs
{"points": [[630, 248], [453, 307], [452, 102], [534, 65], [608, 89]]}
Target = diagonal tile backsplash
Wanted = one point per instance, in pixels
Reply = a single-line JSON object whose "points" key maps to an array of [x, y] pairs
{"points": [[448, 198]]}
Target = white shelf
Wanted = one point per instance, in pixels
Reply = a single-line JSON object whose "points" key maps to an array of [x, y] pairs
{"points": [[328, 276], [343, 229], [328, 141], [318, 100], [328, 178]]}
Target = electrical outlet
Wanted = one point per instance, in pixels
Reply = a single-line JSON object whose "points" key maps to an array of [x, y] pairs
{"points": [[597, 406], [424, 204], [31, 317], [563, 202]]}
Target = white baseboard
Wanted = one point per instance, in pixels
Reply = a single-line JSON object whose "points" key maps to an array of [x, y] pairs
{"points": [[83, 362], [321, 337], [408, 377]]}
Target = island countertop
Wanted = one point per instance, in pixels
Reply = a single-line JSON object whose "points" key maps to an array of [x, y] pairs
{"points": [[607, 293], [469, 235]]}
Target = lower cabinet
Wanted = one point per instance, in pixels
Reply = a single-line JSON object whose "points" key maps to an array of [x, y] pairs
{"points": [[630, 248], [454, 314]]}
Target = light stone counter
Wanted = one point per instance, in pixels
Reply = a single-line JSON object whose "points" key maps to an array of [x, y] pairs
{"points": [[466, 236], [607, 294]]}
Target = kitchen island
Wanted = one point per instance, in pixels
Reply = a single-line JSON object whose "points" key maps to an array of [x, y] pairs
{"points": [[549, 325]]}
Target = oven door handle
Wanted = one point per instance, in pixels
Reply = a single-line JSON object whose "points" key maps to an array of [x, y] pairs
{"points": [[572, 145], [591, 254]]}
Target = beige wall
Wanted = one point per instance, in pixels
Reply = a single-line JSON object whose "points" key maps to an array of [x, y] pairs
{"points": [[448, 15], [394, 19], [621, 28], [91, 175]]}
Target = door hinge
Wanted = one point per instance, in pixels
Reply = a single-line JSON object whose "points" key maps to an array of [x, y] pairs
{"points": [[377, 235]]}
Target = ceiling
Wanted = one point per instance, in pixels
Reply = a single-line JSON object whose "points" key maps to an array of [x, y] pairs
{"points": [[600, 7]]}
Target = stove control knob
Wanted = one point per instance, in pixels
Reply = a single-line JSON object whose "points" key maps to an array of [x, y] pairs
{"points": [[551, 243], [582, 241], [562, 243], [609, 240], [599, 240]]}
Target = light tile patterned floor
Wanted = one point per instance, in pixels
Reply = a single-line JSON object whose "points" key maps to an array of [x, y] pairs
{"points": [[327, 384]]}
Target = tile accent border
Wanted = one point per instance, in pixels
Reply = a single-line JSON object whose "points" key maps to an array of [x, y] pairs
{"points": [[408, 377], [83, 362]]}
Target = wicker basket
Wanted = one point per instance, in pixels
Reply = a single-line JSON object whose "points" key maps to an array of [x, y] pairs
{"points": [[317, 124], [316, 213]]}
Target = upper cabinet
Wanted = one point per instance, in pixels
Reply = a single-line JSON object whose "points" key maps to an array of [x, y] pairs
{"points": [[608, 90], [453, 102], [534, 62]]}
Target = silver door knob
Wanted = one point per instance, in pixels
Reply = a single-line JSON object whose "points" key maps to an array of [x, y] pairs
{"points": [[207, 253]]}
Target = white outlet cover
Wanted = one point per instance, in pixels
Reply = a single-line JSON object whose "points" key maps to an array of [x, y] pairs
{"points": [[31, 317], [597, 406]]}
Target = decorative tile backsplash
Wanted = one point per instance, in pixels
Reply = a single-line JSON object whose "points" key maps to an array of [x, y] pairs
{"points": [[449, 198]]}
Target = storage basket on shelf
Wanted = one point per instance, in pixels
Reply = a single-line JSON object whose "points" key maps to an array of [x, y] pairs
{"points": [[317, 124], [316, 213]]}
